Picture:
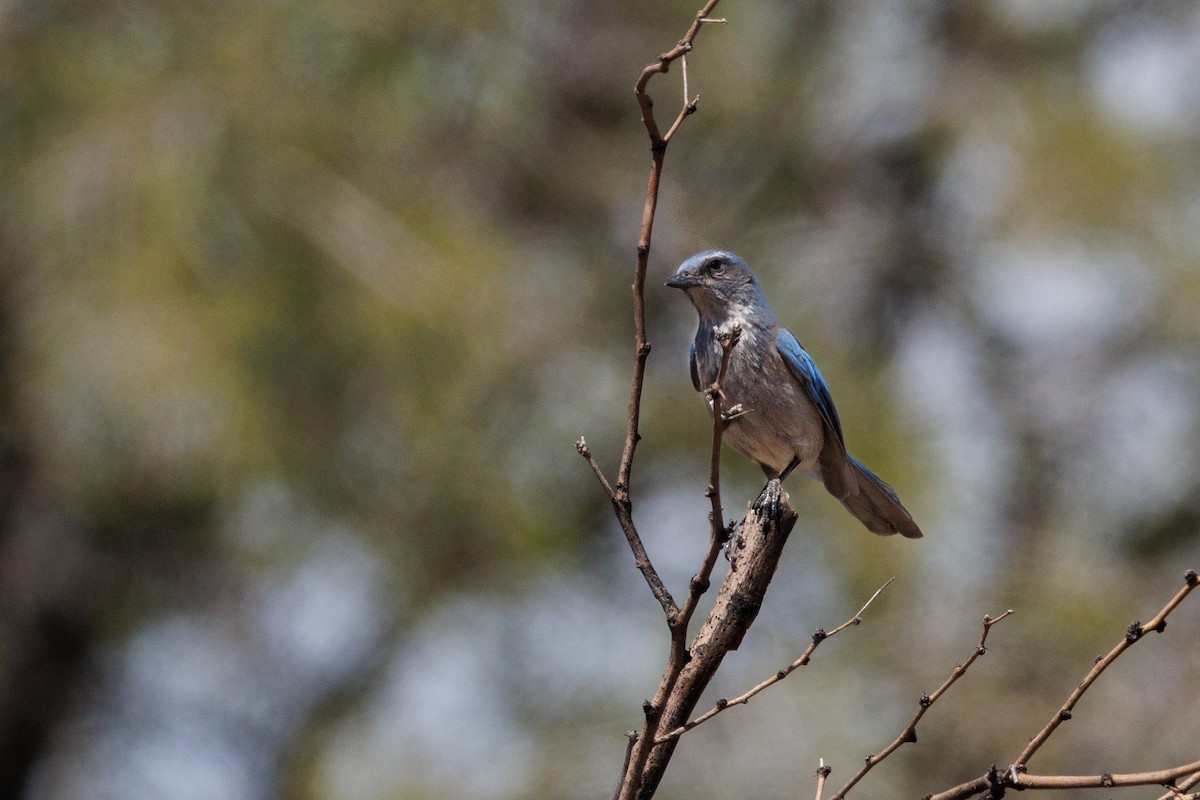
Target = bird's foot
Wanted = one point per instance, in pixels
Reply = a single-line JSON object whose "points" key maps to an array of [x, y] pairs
{"points": [[728, 415], [768, 500]]}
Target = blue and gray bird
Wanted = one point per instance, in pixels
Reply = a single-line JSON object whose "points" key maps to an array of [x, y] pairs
{"points": [[788, 420]]}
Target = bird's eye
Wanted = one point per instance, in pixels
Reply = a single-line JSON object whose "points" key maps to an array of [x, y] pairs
{"points": [[715, 267]]}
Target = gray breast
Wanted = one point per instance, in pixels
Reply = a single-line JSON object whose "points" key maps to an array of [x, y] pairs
{"points": [[781, 422]]}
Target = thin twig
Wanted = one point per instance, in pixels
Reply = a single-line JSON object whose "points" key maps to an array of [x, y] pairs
{"points": [[633, 772], [1133, 634], [631, 739], [718, 532], [687, 98], [909, 734], [581, 447], [996, 780], [641, 558], [819, 636], [822, 774], [1107, 780], [1179, 790]]}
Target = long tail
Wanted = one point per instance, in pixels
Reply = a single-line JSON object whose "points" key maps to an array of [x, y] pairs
{"points": [[873, 502]]}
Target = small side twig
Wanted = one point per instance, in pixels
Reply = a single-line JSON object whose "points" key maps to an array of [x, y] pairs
{"points": [[822, 775], [581, 447], [819, 636], [909, 734], [623, 510]]}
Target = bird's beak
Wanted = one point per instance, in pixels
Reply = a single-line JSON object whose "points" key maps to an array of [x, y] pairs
{"points": [[683, 280]]}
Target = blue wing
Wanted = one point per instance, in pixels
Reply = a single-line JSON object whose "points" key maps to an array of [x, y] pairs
{"points": [[801, 365], [695, 370]]}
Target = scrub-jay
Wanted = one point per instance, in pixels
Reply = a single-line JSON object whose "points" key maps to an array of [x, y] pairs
{"points": [[789, 421]]}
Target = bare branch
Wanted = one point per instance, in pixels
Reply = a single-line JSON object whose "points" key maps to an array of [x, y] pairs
{"points": [[634, 773], [822, 774], [581, 447], [1107, 780], [641, 558], [758, 544], [819, 636], [718, 533], [631, 739], [1180, 789], [1133, 634], [909, 734], [658, 147], [996, 781]]}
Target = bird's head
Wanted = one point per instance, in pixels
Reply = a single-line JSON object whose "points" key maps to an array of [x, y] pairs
{"points": [[719, 284]]}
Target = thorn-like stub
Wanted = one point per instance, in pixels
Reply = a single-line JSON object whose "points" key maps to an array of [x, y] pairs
{"points": [[824, 771], [982, 651], [1160, 627], [582, 448], [912, 737], [1106, 780], [1133, 632], [1190, 577], [1065, 714], [648, 708], [1098, 659], [926, 701], [781, 674], [721, 702]]}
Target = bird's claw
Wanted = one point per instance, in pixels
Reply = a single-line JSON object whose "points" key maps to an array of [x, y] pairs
{"points": [[733, 412], [768, 500]]}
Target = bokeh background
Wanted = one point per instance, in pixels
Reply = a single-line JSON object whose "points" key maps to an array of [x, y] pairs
{"points": [[303, 304]]}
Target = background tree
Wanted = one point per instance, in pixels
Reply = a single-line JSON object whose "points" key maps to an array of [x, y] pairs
{"points": [[302, 304]]}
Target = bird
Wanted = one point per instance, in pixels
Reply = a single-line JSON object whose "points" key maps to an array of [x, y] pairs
{"points": [[785, 419]]}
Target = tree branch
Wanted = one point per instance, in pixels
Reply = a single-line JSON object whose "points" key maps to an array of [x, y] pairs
{"points": [[1132, 635], [618, 494], [658, 148], [996, 781], [759, 542], [909, 734], [634, 774], [718, 532], [822, 774], [641, 558], [1178, 791], [1107, 780], [819, 636]]}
